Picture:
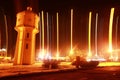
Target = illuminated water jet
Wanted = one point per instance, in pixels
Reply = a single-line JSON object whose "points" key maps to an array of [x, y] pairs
{"points": [[116, 34], [96, 35], [71, 39], [43, 52], [6, 30], [47, 34], [89, 35], [110, 31], [57, 55], [42, 30]]}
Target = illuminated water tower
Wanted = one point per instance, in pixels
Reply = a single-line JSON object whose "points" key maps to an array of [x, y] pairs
{"points": [[27, 27]]}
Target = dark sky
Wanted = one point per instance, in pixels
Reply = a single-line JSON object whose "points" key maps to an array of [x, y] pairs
{"points": [[80, 30]]}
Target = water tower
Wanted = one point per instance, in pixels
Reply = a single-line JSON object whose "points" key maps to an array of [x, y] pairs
{"points": [[27, 28]]}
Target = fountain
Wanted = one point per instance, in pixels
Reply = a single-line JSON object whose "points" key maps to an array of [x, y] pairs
{"points": [[96, 54], [71, 38], [110, 32], [57, 55], [89, 36]]}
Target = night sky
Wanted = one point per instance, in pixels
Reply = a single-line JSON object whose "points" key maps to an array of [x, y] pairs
{"points": [[80, 24]]}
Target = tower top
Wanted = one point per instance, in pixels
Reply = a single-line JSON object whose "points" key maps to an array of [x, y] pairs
{"points": [[27, 18], [29, 8]]}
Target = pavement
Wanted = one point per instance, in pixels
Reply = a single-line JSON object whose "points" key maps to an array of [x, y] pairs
{"points": [[8, 69]]}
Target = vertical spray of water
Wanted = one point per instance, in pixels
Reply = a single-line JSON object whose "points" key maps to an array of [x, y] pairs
{"points": [[116, 35], [42, 13], [96, 23], [71, 39], [110, 31], [6, 30], [89, 35], [47, 33], [57, 55]]}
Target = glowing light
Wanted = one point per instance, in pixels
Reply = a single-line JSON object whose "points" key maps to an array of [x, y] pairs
{"points": [[48, 56], [57, 35], [9, 58], [109, 64], [89, 35], [115, 56], [116, 50], [96, 58], [71, 28], [3, 49], [71, 52], [110, 31], [3, 53], [57, 56], [42, 30], [41, 54]]}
